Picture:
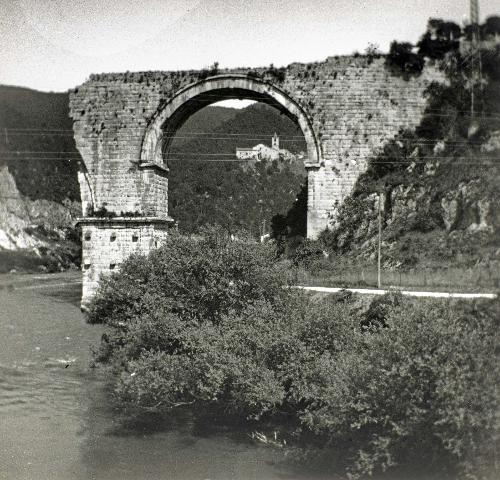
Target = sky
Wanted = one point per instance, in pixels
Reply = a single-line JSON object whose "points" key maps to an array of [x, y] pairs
{"points": [[54, 45]]}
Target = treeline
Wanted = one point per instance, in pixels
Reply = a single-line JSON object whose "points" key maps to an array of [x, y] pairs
{"points": [[444, 39]]}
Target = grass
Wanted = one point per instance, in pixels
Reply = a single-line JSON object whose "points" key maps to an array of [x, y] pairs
{"points": [[20, 261], [446, 279]]}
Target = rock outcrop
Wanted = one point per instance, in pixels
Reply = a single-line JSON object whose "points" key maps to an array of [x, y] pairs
{"points": [[36, 226]]}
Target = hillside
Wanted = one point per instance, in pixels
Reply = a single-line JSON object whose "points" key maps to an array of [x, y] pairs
{"points": [[37, 142], [39, 193], [207, 185], [205, 120], [245, 128]]}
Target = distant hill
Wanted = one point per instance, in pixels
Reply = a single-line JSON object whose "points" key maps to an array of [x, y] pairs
{"points": [[243, 128], [26, 108], [37, 143], [205, 120]]}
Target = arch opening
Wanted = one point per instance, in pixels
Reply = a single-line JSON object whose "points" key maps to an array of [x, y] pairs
{"points": [[170, 119], [197, 103], [192, 98]]}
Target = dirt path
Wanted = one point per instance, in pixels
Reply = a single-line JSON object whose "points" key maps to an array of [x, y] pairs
{"points": [[411, 293]]}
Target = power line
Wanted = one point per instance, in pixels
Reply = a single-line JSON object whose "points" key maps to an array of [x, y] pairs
{"points": [[248, 135], [284, 139], [220, 154], [410, 142], [426, 112]]}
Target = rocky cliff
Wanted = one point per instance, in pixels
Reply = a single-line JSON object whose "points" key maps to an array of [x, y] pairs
{"points": [[436, 209], [39, 234]]}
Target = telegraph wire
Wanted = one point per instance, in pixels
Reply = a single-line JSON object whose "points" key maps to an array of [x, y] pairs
{"points": [[410, 141], [242, 137], [196, 154]]}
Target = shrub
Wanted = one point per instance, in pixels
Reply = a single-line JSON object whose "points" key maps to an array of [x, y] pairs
{"points": [[278, 74], [372, 52], [208, 72], [419, 394], [199, 278], [207, 322], [254, 74], [378, 310], [308, 254]]}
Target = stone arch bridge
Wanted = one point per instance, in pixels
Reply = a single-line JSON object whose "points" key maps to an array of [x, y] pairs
{"points": [[347, 108]]}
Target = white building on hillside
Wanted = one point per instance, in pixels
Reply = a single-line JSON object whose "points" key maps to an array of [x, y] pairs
{"points": [[264, 152]]}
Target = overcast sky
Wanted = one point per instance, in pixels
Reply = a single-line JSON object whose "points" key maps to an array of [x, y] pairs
{"points": [[55, 44]]}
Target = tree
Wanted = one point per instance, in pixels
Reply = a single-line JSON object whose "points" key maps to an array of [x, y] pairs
{"points": [[441, 37], [491, 27], [403, 61]]}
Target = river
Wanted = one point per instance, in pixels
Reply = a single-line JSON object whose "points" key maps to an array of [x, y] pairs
{"points": [[56, 417]]}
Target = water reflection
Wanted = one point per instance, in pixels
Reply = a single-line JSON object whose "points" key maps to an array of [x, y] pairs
{"points": [[178, 446], [57, 420]]}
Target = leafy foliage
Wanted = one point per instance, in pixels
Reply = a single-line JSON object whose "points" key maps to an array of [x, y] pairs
{"points": [[490, 29], [292, 227], [200, 278], [419, 393], [207, 323], [278, 74], [230, 195], [440, 38]]}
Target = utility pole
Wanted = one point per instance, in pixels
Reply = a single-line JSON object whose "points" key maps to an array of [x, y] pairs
{"points": [[475, 53], [379, 280]]}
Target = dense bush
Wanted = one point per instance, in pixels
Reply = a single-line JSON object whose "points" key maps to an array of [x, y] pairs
{"points": [[206, 322], [197, 277], [278, 74], [419, 394]]}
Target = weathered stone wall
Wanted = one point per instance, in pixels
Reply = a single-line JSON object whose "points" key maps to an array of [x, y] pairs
{"points": [[348, 107], [354, 105], [107, 242]]}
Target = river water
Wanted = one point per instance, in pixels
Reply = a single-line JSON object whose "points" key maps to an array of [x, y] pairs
{"points": [[56, 418]]}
